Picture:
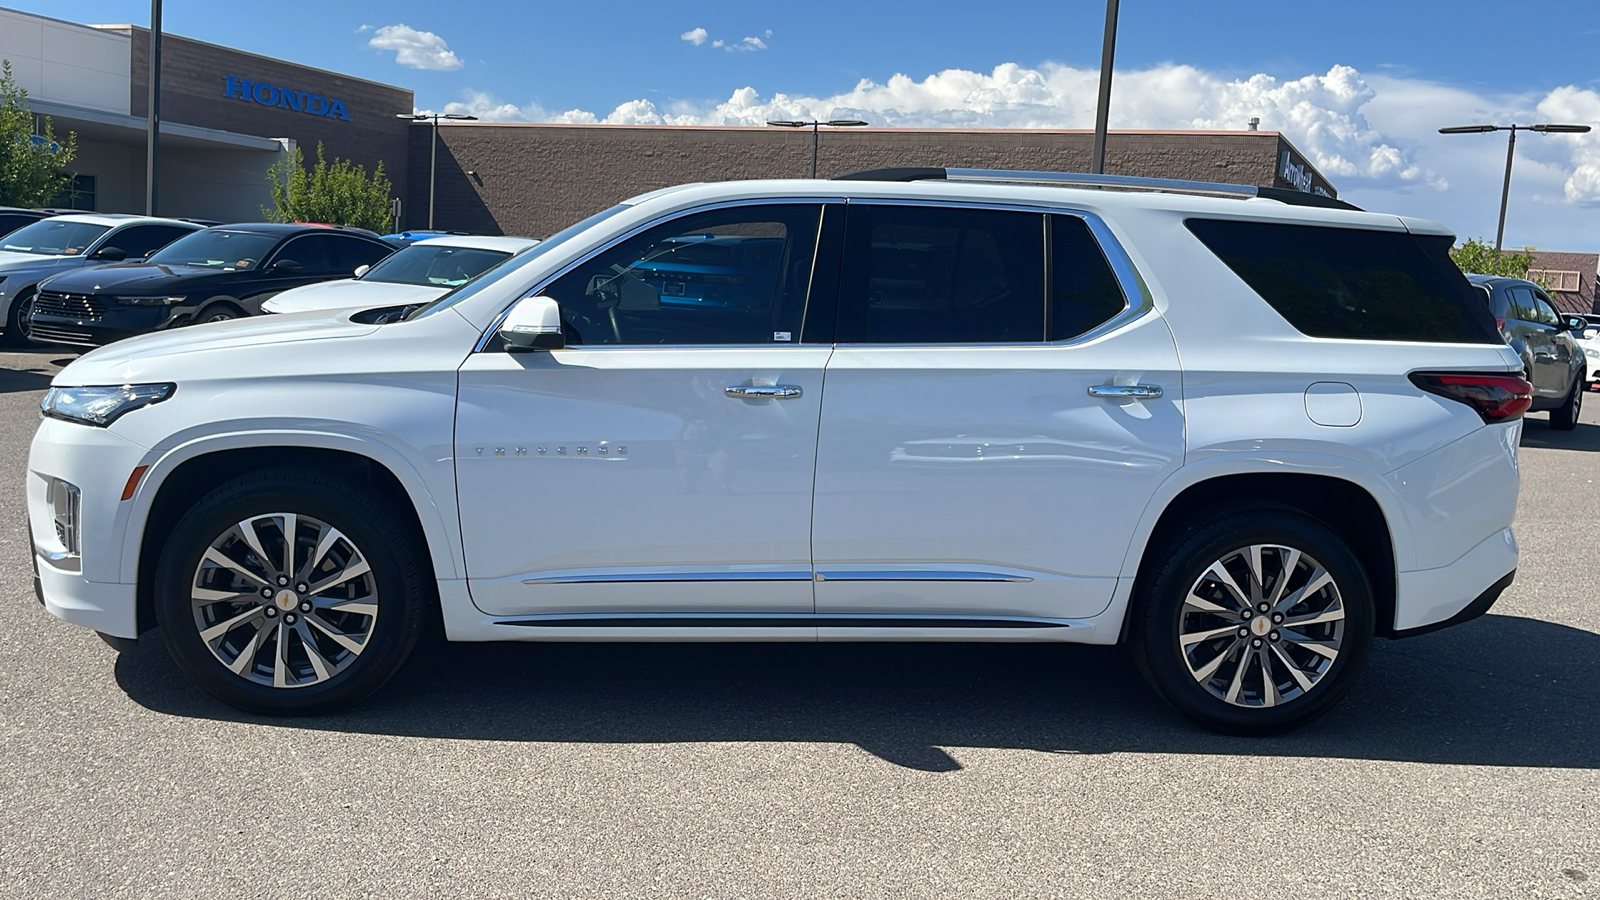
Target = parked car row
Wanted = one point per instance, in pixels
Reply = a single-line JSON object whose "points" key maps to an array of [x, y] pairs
{"points": [[1554, 362], [90, 279]]}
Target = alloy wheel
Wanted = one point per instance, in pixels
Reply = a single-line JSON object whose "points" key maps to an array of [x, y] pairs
{"points": [[284, 600], [1261, 626]]}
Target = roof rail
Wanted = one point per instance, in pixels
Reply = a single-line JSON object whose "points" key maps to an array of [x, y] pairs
{"points": [[1084, 179]]}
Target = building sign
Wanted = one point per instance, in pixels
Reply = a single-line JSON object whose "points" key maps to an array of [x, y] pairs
{"points": [[1300, 176], [282, 97]]}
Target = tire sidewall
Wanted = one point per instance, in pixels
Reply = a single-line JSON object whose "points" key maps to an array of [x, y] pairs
{"points": [[1162, 604], [368, 525]]}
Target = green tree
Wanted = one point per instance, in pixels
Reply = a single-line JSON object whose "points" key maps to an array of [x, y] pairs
{"points": [[1477, 257], [30, 166], [336, 193]]}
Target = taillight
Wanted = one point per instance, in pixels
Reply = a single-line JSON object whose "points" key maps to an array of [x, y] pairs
{"points": [[1497, 398], [1500, 324]]}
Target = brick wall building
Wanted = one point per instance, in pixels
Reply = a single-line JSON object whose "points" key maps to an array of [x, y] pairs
{"points": [[536, 179], [1568, 277]]}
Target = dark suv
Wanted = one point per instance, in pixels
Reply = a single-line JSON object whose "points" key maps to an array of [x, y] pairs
{"points": [[209, 276], [1540, 335]]}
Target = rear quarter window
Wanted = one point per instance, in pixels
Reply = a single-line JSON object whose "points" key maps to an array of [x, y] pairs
{"points": [[1353, 283]]}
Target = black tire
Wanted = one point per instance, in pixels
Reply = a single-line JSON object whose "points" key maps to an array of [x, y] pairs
{"points": [[377, 533], [220, 313], [16, 333], [1565, 416], [1161, 617]]}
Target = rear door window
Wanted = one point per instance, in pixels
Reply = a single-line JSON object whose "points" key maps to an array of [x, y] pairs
{"points": [[139, 241], [1084, 293], [1353, 283], [1523, 306], [941, 275]]}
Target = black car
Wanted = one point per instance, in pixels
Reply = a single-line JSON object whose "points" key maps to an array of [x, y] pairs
{"points": [[12, 218], [1531, 326], [219, 273]]}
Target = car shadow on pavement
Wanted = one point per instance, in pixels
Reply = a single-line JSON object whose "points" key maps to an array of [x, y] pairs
{"points": [[1538, 433], [18, 380], [1501, 690]]}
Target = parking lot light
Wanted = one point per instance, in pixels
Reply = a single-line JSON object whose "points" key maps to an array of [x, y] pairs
{"points": [[1511, 146], [814, 125], [433, 152]]}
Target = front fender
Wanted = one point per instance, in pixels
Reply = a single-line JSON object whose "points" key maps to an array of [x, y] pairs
{"points": [[435, 502]]}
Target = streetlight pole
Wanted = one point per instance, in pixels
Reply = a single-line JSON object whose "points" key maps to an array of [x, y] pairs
{"points": [[152, 113], [1511, 149], [433, 150], [815, 124], [1102, 109]]}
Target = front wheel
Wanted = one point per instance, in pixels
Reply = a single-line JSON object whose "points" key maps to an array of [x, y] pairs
{"points": [[1565, 416], [288, 592], [18, 326], [1256, 622]]}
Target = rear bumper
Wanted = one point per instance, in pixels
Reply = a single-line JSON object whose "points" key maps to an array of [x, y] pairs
{"points": [[1430, 599]]}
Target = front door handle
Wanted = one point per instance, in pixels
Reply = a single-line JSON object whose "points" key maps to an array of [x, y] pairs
{"points": [[763, 391], [1126, 391]]}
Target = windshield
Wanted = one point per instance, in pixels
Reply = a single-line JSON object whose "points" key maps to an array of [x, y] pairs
{"points": [[424, 263], [48, 237], [214, 248], [514, 263]]}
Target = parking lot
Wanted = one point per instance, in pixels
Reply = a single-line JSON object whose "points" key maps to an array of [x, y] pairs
{"points": [[1465, 764]]}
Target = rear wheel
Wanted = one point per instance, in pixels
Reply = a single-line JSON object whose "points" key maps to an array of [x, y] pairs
{"points": [[290, 592], [218, 314], [17, 325], [1257, 622], [1565, 416]]}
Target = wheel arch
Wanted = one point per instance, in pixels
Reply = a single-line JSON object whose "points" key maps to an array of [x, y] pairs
{"points": [[179, 479], [1351, 508]]}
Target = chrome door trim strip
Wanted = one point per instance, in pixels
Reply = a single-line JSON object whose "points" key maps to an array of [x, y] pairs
{"points": [[648, 577], [920, 575], [778, 620]]}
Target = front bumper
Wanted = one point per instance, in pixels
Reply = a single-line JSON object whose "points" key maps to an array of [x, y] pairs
{"points": [[118, 322], [93, 588]]}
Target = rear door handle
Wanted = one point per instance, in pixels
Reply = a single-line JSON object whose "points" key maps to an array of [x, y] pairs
{"points": [[1126, 391], [763, 391]]}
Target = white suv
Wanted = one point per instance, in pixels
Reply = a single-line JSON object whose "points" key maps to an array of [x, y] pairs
{"points": [[1241, 431]]}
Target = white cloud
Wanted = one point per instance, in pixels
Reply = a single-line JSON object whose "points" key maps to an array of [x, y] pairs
{"points": [[695, 36], [699, 36], [417, 49], [1374, 137]]}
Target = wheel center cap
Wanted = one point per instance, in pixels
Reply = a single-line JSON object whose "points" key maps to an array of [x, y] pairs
{"points": [[285, 600], [1260, 626]]}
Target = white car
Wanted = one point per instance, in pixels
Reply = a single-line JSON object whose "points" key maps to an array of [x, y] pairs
{"points": [[964, 405], [416, 273], [1589, 342]]}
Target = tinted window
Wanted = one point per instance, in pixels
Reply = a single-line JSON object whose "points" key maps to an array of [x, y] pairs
{"points": [[351, 253], [1353, 283], [1083, 291], [941, 275], [140, 241], [730, 276], [10, 222], [317, 254], [53, 238], [1547, 313], [1523, 307], [424, 263], [217, 248]]}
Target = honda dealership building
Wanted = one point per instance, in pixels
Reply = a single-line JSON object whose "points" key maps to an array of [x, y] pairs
{"points": [[228, 116]]}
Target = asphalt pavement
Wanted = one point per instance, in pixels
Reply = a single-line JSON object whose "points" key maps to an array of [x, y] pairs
{"points": [[1465, 764]]}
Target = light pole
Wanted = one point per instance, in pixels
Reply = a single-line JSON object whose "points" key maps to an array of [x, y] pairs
{"points": [[1511, 146], [831, 123], [152, 113], [1102, 109], [433, 152]]}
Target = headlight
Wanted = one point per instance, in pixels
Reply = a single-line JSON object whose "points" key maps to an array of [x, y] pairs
{"points": [[100, 405], [151, 301], [1592, 354]]}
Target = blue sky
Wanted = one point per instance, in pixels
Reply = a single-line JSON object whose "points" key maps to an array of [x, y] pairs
{"points": [[1360, 86]]}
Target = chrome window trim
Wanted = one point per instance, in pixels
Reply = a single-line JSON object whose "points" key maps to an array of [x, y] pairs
{"points": [[1136, 297], [819, 202]]}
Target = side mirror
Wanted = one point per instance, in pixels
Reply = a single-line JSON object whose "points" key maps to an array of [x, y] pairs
{"points": [[286, 267], [361, 270], [533, 324], [1577, 323], [110, 254]]}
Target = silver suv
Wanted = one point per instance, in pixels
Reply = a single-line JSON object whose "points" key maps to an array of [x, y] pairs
{"points": [[1552, 359]]}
